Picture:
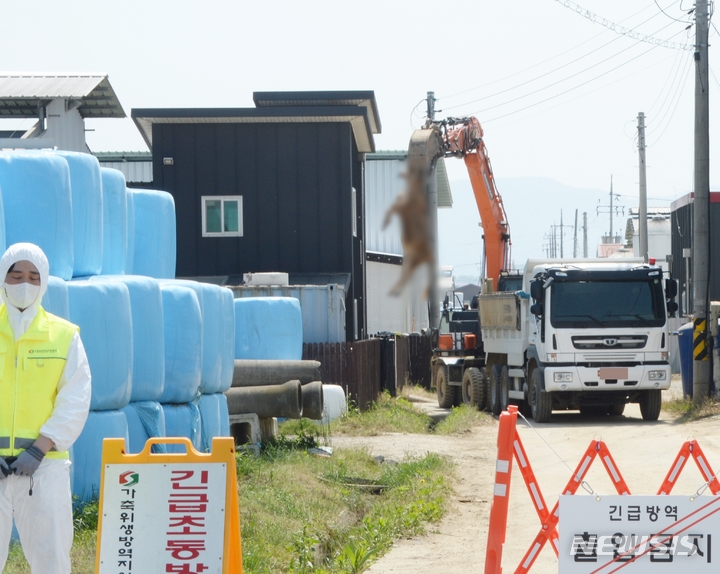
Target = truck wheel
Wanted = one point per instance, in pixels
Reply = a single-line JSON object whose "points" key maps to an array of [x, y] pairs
{"points": [[504, 386], [445, 393], [495, 404], [650, 402], [540, 400], [486, 391], [616, 409], [473, 387]]}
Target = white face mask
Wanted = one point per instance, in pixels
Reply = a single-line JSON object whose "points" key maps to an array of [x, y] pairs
{"points": [[22, 295]]}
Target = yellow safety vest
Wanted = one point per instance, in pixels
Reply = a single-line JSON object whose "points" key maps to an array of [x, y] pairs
{"points": [[30, 369]]}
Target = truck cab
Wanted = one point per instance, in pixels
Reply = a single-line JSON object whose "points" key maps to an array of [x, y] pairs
{"points": [[591, 335]]}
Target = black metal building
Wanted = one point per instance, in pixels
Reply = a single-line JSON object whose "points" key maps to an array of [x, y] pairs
{"points": [[278, 187], [681, 266]]}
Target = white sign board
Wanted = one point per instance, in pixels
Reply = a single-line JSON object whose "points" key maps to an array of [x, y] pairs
{"points": [[639, 534], [163, 518]]}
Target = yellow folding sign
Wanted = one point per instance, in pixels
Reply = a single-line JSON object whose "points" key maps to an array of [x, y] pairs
{"points": [[169, 512]]}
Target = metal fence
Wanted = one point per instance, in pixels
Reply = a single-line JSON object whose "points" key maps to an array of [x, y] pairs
{"points": [[365, 368], [353, 366]]}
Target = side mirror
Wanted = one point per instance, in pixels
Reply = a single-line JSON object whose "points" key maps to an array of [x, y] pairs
{"points": [[536, 289], [537, 309], [671, 288], [446, 301], [672, 307]]}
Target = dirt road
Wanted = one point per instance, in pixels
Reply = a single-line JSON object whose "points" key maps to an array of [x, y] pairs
{"points": [[643, 452]]}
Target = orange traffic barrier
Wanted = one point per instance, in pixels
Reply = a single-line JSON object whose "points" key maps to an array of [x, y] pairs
{"points": [[690, 448], [510, 446]]}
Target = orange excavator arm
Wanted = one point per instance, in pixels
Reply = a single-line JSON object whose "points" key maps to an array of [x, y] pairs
{"points": [[462, 137]]}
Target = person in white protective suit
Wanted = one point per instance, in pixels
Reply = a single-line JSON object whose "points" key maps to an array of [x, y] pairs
{"points": [[44, 403]]}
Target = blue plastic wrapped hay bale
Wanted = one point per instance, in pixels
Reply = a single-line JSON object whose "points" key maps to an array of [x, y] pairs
{"points": [[3, 243], [197, 287], [55, 300], [228, 342], [102, 311], [115, 225], [130, 251], [87, 450], [146, 307], [268, 328], [213, 332], [145, 419], [210, 299], [87, 212], [37, 205], [155, 239], [182, 322], [224, 415], [211, 416], [182, 420]]}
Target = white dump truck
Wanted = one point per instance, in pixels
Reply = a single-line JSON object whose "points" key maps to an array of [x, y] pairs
{"points": [[587, 334]]}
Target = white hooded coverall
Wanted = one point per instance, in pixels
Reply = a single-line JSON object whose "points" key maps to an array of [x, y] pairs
{"points": [[44, 520]]}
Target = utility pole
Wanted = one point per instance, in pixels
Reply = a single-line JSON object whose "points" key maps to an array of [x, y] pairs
{"points": [[612, 210], [642, 212], [547, 246], [556, 235], [585, 234], [575, 236], [554, 241], [434, 295], [701, 206]]}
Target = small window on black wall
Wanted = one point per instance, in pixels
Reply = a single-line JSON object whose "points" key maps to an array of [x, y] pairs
{"points": [[222, 216]]}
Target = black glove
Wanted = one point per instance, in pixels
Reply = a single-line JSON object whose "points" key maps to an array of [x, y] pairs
{"points": [[28, 461], [5, 470]]}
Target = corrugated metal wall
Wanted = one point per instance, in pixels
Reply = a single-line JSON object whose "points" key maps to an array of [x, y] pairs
{"points": [[134, 171], [296, 181], [382, 185], [681, 227], [406, 313], [682, 233]]}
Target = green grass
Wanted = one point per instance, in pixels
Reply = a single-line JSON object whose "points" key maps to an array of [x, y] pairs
{"points": [[302, 513], [386, 415], [462, 419], [686, 410]]}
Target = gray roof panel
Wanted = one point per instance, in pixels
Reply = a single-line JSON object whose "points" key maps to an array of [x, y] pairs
{"points": [[22, 94], [356, 115], [364, 98]]}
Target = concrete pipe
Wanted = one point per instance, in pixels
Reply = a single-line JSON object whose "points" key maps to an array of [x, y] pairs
{"points": [[268, 401], [260, 373], [312, 399]]}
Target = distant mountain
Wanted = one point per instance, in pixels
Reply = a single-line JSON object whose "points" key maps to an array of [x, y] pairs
{"points": [[532, 205]]}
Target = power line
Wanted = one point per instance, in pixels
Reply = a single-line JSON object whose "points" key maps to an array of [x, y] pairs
{"points": [[558, 69], [678, 91], [671, 17], [506, 102], [565, 102], [618, 29], [677, 64], [573, 49], [561, 93]]}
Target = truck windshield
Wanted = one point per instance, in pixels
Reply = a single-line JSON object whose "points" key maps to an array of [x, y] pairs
{"points": [[593, 304]]}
